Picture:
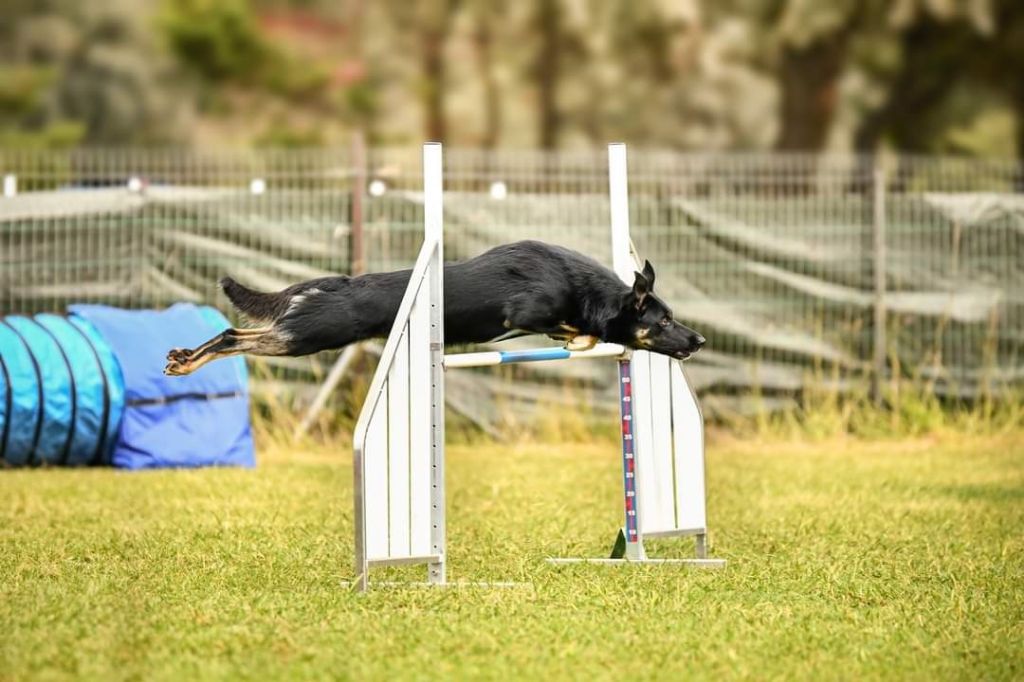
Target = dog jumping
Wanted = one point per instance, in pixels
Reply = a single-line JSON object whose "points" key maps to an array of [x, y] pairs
{"points": [[527, 287]]}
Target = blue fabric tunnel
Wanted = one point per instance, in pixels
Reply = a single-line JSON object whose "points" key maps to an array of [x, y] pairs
{"points": [[22, 399], [64, 398], [61, 394]]}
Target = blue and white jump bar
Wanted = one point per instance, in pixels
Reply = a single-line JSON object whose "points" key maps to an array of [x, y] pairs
{"points": [[508, 357]]}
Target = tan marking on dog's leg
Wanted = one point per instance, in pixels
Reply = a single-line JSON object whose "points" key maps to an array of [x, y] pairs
{"points": [[265, 343], [182, 355], [233, 333], [581, 342], [250, 331]]}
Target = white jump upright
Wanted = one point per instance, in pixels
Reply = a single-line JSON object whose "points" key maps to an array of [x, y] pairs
{"points": [[398, 442], [662, 429]]}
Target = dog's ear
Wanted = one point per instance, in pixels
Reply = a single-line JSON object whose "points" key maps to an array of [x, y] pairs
{"points": [[641, 287], [649, 274]]}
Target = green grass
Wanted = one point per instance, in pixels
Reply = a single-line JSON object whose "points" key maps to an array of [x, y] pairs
{"points": [[849, 560]]}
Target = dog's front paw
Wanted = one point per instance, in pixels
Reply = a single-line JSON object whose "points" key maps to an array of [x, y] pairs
{"points": [[176, 369], [179, 355], [581, 342]]}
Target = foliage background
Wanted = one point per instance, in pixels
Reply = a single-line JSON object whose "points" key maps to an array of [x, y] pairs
{"points": [[912, 75]]}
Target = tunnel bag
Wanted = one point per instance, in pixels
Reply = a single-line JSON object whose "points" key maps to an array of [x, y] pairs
{"points": [[192, 421]]}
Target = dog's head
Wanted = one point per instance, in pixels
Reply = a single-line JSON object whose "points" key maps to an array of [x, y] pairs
{"points": [[652, 325]]}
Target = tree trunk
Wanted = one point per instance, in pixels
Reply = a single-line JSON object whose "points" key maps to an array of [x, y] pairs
{"points": [[435, 126], [548, 23], [1018, 110], [484, 39], [810, 91]]}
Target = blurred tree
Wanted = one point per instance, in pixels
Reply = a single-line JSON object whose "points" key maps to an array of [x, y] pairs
{"points": [[113, 85], [32, 45], [814, 39], [86, 73], [934, 58], [361, 96], [1002, 67], [486, 17], [672, 73], [939, 46], [217, 39], [221, 42], [435, 19], [547, 25], [920, 75], [428, 24]]}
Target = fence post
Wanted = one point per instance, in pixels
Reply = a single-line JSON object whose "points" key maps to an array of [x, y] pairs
{"points": [[878, 268], [357, 256], [356, 266]]}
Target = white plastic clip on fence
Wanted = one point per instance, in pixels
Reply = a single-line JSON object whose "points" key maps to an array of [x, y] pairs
{"points": [[398, 442]]}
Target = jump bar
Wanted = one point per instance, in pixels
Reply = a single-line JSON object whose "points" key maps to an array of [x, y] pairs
{"points": [[486, 359]]}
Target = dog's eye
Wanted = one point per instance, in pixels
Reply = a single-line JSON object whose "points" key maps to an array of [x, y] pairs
{"points": [[665, 322]]}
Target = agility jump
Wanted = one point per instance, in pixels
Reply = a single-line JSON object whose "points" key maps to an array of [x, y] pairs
{"points": [[398, 443]]}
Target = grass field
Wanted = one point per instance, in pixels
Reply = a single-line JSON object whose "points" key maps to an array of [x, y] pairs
{"points": [[902, 559]]}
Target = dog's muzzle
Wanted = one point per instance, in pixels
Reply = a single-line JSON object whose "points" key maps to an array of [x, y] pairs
{"points": [[697, 343]]}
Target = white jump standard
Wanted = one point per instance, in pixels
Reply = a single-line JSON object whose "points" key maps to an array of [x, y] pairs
{"points": [[398, 443]]}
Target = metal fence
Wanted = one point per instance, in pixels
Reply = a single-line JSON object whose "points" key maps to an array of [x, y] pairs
{"points": [[800, 269]]}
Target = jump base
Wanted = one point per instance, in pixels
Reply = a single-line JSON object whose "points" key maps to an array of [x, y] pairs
{"points": [[695, 563], [457, 584]]}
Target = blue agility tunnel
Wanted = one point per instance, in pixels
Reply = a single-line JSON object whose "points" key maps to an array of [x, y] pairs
{"points": [[61, 402], [22, 398], [89, 388]]}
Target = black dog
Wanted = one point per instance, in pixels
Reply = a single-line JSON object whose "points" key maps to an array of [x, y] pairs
{"points": [[523, 288]]}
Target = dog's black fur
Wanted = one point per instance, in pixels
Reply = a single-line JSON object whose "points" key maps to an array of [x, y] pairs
{"points": [[523, 288]]}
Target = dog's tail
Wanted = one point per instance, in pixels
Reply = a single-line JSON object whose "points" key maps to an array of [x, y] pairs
{"points": [[256, 305]]}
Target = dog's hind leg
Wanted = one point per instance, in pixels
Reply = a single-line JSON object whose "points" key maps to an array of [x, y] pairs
{"points": [[266, 341]]}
